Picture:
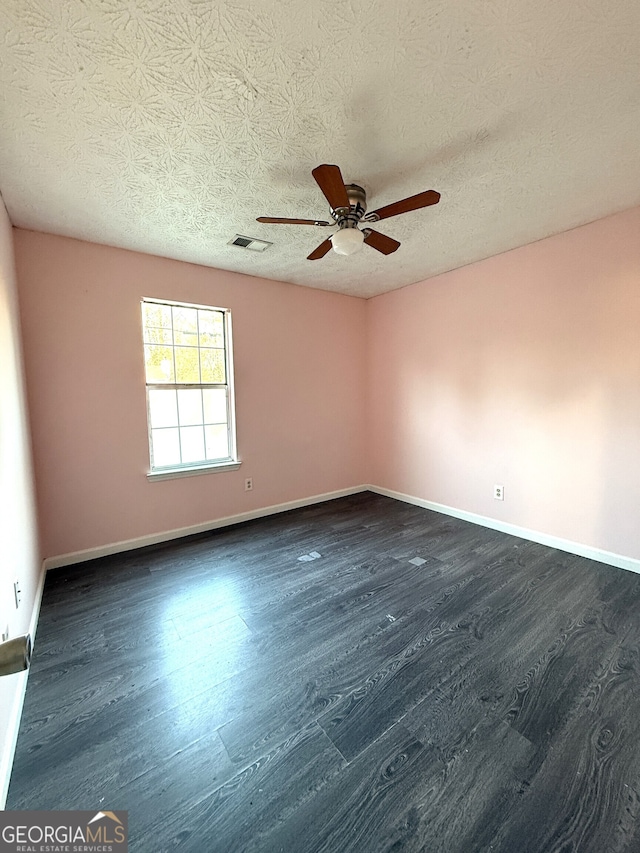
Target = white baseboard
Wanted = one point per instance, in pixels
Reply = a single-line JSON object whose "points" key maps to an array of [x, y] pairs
{"points": [[11, 736], [609, 557], [177, 533]]}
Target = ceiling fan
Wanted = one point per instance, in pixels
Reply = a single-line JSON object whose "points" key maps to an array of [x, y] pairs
{"points": [[348, 208]]}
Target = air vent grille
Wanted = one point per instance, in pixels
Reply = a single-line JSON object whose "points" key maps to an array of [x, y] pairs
{"points": [[250, 243]]}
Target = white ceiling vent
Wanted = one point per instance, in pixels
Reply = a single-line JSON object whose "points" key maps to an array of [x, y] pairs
{"points": [[250, 243]]}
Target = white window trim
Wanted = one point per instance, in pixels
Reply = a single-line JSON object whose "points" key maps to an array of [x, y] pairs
{"points": [[190, 469]]}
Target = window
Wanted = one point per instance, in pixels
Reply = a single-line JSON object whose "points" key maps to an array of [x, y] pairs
{"points": [[189, 376]]}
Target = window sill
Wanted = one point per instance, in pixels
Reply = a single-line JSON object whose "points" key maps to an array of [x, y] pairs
{"points": [[172, 473]]}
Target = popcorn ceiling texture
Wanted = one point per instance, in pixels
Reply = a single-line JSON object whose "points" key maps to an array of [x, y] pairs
{"points": [[169, 127]]}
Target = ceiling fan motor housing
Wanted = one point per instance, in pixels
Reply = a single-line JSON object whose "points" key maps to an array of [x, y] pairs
{"points": [[357, 207]]}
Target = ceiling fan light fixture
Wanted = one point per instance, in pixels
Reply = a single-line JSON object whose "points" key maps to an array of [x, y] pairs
{"points": [[346, 241]]}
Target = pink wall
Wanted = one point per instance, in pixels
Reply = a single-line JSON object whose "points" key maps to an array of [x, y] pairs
{"points": [[300, 390], [19, 559], [522, 370]]}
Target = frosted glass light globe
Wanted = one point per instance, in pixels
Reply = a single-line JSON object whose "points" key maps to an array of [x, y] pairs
{"points": [[347, 241]]}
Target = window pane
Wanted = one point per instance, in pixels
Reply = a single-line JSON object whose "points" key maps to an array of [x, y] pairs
{"points": [[212, 365], [158, 362], [192, 441], [190, 406], [165, 445], [187, 364], [217, 441], [158, 336], [185, 319], [215, 405], [185, 326], [211, 324], [163, 411], [156, 315], [185, 339]]}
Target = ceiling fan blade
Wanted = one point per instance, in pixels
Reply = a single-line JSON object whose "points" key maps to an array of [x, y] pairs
{"points": [[329, 179], [414, 202], [379, 241], [277, 220], [320, 252]]}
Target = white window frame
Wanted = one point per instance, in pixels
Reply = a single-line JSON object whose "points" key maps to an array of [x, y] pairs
{"points": [[232, 463]]}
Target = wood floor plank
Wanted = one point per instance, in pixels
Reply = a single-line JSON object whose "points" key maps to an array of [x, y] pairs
{"points": [[591, 763], [482, 783], [362, 806], [239, 814]]}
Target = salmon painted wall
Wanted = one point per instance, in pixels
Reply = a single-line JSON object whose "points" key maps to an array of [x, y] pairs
{"points": [[19, 557], [521, 370], [300, 391]]}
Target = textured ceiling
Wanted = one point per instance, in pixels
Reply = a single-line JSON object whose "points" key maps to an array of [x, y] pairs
{"points": [[167, 127]]}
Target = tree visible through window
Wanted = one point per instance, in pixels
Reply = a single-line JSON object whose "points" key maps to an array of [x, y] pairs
{"points": [[188, 369]]}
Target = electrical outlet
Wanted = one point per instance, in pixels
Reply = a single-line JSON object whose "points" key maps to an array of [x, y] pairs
{"points": [[248, 484], [5, 633], [498, 493], [17, 593]]}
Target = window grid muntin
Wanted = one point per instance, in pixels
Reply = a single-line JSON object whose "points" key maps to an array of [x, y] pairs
{"points": [[175, 386]]}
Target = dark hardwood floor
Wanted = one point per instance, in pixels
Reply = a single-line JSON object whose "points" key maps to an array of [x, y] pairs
{"points": [[360, 675]]}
